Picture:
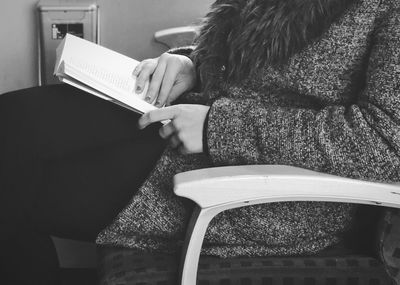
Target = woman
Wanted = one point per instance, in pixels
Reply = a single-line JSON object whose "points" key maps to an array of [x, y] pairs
{"points": [[313, 84]]}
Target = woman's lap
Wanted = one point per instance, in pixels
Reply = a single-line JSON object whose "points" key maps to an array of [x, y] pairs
{"points": [[69, 161]]}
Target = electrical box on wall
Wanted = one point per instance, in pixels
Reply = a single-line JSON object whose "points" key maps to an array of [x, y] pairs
{"points": [[55, 19]]}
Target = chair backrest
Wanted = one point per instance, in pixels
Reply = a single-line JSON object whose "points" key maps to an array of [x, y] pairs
{"points": [[177, 37]]}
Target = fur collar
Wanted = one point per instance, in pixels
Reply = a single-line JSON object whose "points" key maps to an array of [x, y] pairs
{"points": [[244, 35]]}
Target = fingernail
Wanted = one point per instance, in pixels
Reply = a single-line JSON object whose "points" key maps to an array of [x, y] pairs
{"points": [[147, 99], [138, 89], [157, 104]]}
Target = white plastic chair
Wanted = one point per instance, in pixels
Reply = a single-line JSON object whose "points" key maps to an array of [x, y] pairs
{"points": [[176, 37], [218, 189]]}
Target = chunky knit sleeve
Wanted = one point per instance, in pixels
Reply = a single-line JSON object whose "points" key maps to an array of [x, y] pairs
{"points": [[361, 140]]}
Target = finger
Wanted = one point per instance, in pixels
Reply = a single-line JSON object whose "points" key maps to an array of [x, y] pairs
{"points": [[175, 142], [167, 130], [155, 83], [144, 76], [137, 69], [163, 114], [171, 72], [182, 149], [175, 92]]}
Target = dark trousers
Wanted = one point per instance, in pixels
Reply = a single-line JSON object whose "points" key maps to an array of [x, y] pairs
{"points": [[69, 162]]}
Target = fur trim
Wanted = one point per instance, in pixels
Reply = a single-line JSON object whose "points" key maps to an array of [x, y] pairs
{"points": [[244, 35]]}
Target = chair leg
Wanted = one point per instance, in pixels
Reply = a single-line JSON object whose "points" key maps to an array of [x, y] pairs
{"points": [[194, 239]]}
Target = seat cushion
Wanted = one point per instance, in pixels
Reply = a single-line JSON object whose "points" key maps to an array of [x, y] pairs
{"points": [[389, 242], [121, 266]]}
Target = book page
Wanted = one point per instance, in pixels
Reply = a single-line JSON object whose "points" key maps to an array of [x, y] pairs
{"points": [[119, 81], [101, 69], [93, 91]]}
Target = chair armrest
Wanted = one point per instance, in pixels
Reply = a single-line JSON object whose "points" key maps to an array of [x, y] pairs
{"points": [[222, 188], [254, 184], [176, 37]]}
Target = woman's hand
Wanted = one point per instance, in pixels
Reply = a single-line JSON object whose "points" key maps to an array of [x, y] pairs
{"points": [[185, 130], [170, 75]]}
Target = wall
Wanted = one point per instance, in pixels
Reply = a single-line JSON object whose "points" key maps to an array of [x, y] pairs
{"points": [[126, 26], [18, 67]]}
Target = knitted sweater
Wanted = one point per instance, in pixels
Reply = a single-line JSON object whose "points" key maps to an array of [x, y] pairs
{"points": [[308, 83]]}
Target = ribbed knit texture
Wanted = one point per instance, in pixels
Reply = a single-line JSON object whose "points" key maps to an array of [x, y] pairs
{"points": [[333, 107]]}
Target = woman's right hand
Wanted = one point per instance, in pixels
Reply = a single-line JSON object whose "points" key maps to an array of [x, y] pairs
{"points": [[170, 75]]}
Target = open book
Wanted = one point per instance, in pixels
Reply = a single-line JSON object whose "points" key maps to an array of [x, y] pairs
{"points": [[101, 72]]}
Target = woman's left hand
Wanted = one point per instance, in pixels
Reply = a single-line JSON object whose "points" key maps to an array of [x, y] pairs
{"points": [[185, 130]]}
